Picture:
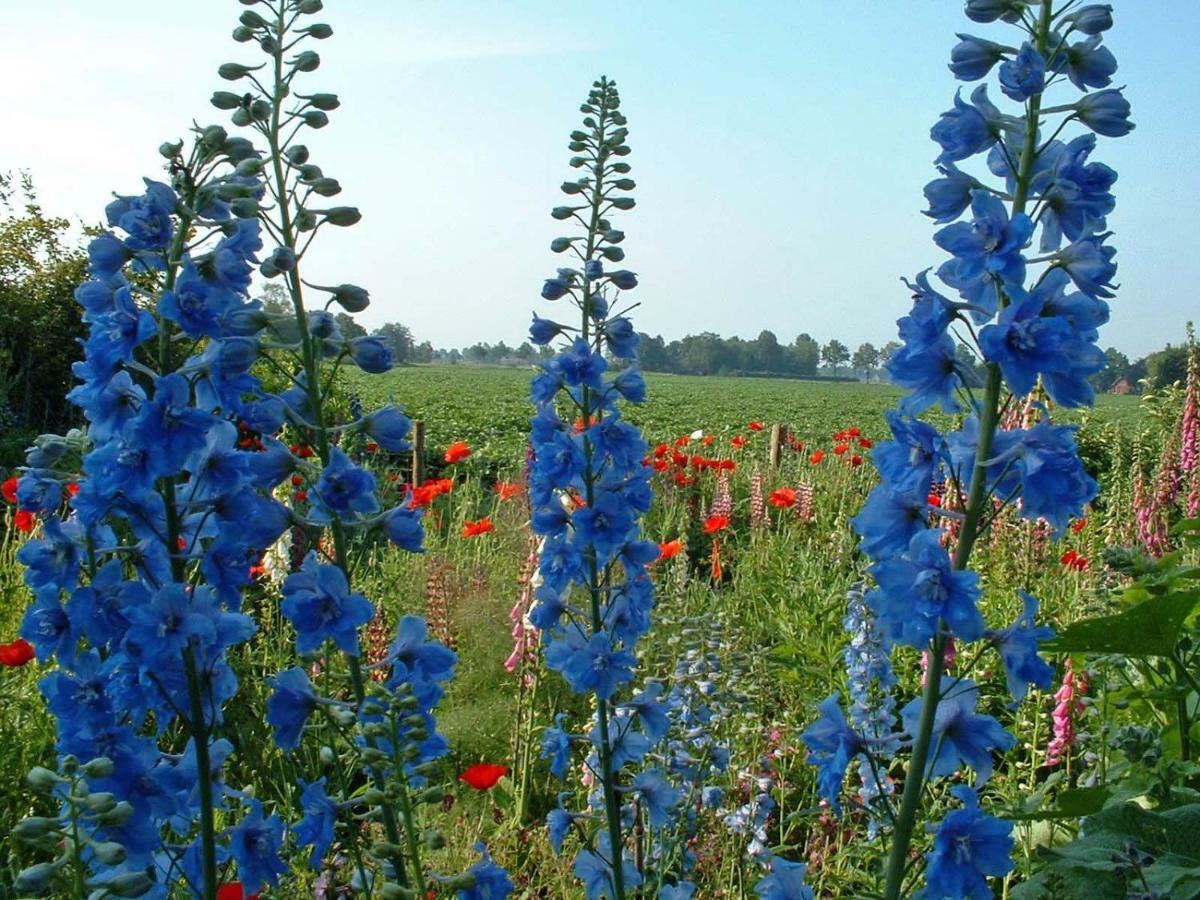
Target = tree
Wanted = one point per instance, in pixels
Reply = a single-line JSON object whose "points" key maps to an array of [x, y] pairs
{"points": [[865, 359], [1166, 367], [348, 327], [653, 355], [399, 340], [886, 351], [834, 354], [276, 300], [40, 323], [805, 354], [768, 355]]}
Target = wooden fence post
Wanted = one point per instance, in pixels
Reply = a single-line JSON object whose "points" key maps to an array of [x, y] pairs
{"points": [[776, 441], [418, 453]]}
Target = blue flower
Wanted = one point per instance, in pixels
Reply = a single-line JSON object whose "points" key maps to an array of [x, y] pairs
{"points": [[622, 339], [1089, 264], [1024, 75], [558, 823], [419, 662], [889, 519], [318, 602], [146, 219], [604, 526], [919, 589], [967, 129], [786, 881], [289, 707], [491, 881], [960, 736], [831, 743], [107, 254], [590, 665], [160, 630], [969, 846], [171, 425], [1054, 484], [254, 844], [1105, 112], [987, 251], [316, 828], [658, 796], [1018, 646], [907, 462], [973, 57], [596, 872], [1088, 64], [404, 528], [195, 304], [344, 488], [930, 372], [1075, 194], [950, 195], [556, 747]]}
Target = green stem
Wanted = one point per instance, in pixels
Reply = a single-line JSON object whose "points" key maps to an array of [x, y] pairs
{"points": [[989, 415], [612, 806]]}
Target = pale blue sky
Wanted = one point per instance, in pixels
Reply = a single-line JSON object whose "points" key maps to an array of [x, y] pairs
{"points": [[779, 147]]}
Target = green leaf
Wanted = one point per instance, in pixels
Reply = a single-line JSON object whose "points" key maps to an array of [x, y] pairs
{"points": [[1149, 629]]}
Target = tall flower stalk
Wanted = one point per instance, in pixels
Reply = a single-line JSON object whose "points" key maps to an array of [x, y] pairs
{"points": [[1041, 334], [589, 486]]}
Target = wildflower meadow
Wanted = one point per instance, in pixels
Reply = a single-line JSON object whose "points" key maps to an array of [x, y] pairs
{"points": [[280, 618]]}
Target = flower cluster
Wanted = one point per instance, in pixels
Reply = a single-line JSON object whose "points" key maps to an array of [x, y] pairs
{"points": [[1029, 331], [589, 486], [139, 574]]}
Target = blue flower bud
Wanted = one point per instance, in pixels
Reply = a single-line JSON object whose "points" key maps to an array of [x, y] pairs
{"points": [[390, 428], [991, 10], [622, 339], [560, 244], [371, 355], [949, 196], [973, 57], [404, 528], [1092, 19], [593, 269], [623, 279], [613, 236], [107, 254], [342, 216], [554, 289], [543, 331], [1105, 112], [284, 258], [322, 325]]}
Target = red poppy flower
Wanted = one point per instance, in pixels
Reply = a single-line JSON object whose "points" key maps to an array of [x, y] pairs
{"points": [[24, 521], [474, 529], [300, 496], [661, 465], [755, 426], [482, 776], [16, 653], [840, 449], [708, 439], [670, 549], [1078, 525], [816, 458], [738, 442], [783, 498], [713, 524], [72, 488], [9, 488], [509, 489], [457, 452], [683, 480], [682, 441], [661, 450], [234, 891], [856, 460], [301, 450], [1072, 560], [717, 570], [372, 447], [853, 432], [866, 443], [297, 480]]}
